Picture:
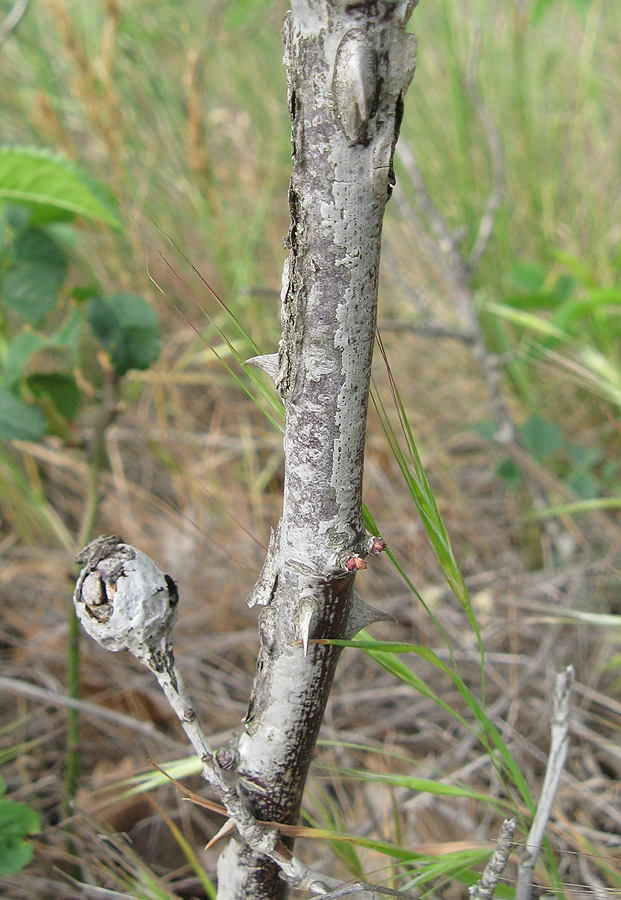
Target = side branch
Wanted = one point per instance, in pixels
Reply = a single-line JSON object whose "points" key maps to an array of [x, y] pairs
{"points": [[125, 602]]}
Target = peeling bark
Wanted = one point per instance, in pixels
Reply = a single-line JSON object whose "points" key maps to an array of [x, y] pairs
{"points": [[349, 65]]}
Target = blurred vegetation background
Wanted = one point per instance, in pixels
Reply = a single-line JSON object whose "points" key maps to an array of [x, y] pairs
{"points": [[499, 313]]}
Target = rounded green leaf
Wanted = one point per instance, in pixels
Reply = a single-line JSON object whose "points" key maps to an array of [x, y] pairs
{"points": [[20, 350], [17, 821], [541, 437], [61, 388], [18, 420], [128, 328], [510, 474], [38, 269], [33, 176]]}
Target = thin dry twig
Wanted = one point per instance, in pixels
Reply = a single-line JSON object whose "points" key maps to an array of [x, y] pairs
{"points": [[363, 888], [486, 225], [445, 253], [13, 19], [485, 887], [427, 329], [556, 762], [92, 710]]}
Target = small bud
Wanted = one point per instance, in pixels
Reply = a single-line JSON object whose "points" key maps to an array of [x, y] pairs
{"points": [[226, 758], [378, 546], [189, 714], [355, 563]]}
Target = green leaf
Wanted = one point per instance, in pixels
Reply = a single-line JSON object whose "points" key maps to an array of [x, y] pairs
{"points": [[19, 352], [80, 294], [536, 300], [528, 277], [61, 388], [33, 176], [583, 457], [541, 437], [565, 287], [604, 301], [17, 821], [18, 217], [583, 484], [18, 420], [128, 328], [69, 333], [486, 429], [38, 268], [510, 474], [27, 343]]}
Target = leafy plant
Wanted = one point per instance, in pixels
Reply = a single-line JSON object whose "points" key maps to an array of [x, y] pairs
{"points": [[42, 323], [568, 316], [565, 319], [18, 822], [52, 187]]}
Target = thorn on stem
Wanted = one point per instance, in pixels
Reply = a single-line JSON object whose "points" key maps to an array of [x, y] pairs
{"points": [[305, 615], [227, 828]]}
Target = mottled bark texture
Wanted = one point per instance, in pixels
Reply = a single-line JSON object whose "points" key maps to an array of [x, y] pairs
{"points": [[349, 65]]}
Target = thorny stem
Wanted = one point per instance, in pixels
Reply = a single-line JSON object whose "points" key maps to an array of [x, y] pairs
{"points": [[261, 839], [348, 68], [299, 875], [125, 602]]}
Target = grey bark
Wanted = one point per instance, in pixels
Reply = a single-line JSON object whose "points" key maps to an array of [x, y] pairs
{"points": [[349, 65]]}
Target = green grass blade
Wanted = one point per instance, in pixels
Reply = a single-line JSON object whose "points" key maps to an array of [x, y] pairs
{"points": [[487, 733], [412, 783]]}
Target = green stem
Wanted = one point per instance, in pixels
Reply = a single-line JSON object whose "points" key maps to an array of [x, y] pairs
{"points": [[72, 772], [97, 460]]}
